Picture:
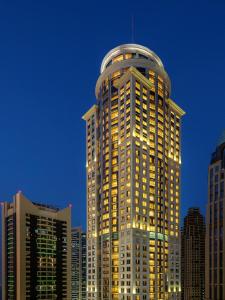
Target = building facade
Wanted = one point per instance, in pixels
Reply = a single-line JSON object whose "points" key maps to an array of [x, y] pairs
{"points": [[79, 285], [215, 225], [133, 180], [193, 256], [36, 242]]}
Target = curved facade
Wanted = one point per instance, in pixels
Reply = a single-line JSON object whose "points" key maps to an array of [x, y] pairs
{"points": [[128, 51], [121, 58], [133, 180]]}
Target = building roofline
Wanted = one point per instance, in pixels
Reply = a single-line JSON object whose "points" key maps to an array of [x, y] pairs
{"points": [[90, 112], [129, 47], [176, 107]]}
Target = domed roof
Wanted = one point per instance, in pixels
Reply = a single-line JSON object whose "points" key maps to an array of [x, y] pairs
{"points": [[130, 48]]}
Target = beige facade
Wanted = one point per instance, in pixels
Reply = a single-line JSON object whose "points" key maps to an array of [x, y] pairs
{"points": [[215, 224], [36, 242], [133, 180]]}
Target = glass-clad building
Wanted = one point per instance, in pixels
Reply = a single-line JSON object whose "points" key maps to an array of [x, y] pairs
{"points": [[78, 266], [36, 242]]}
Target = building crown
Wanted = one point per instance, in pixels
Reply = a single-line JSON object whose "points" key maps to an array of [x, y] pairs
{"points": [[134, 50]]}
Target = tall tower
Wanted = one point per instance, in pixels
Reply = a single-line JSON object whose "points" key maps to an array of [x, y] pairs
{"points": [[78, 264], [36, 241], [133, 180], [193, 256], [215, 225]]}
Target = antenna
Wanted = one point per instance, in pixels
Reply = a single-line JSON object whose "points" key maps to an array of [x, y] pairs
{"points": [[132, 28]]}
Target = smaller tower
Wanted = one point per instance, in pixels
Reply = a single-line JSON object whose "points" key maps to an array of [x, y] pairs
{"points": [[215, 224], [36, 251], [78, 264], [193, 256]]}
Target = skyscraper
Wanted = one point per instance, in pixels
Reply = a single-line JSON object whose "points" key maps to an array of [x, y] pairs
{"points": [[215, 224], [133, 180], [78, 264], [36, 251], [193, 256]]}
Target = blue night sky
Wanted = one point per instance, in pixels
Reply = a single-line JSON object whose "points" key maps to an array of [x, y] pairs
{"points": [[50, 55]]}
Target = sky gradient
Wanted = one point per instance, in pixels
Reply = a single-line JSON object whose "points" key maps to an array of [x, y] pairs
{"points": [[50, 56]]}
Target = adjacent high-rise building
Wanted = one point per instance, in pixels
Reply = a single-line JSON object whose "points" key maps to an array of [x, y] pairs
{"points": [[215, 226], [79, 286], [36, 242], [193, 256], [133, 137]]}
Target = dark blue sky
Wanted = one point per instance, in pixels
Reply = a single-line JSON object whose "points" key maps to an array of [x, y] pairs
{"points": [[50, 55]]}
